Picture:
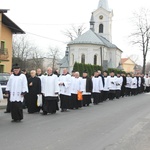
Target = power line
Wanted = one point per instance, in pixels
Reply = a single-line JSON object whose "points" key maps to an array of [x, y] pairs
{"points": [[39, 35]]}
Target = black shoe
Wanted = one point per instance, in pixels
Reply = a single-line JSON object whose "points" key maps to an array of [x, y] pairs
{"points": [[6, 111], [16, 120], [44, 113], [62, 110]]}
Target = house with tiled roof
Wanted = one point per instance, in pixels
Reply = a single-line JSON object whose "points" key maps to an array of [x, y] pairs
{"points": [[128, 65], [95, 45], [7, 29]]}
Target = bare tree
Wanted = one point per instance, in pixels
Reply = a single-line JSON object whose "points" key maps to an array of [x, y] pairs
{"points": [[142, 34], [22, 50], [134, 57], [36, 60], [74, 31], [54, 54]]}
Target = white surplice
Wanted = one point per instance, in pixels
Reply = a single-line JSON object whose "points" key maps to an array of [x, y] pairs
{"points": [[128, 82], [65, 89], [119, 81], [112, 83], [106, 81], [17, 85], [50, 85], [134, 83], [75, 85], [97, 84]]}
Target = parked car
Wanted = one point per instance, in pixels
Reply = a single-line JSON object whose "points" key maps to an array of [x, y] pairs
{"points": [[3, 80]]}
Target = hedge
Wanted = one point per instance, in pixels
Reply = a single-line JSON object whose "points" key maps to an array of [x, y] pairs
{"points": [[80, 67]]}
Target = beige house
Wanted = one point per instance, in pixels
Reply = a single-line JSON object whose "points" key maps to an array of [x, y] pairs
{"points": [[128, 65], [7, 29]]}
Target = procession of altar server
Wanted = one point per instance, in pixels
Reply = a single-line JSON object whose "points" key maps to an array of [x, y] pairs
{"points": [[63, 91]]}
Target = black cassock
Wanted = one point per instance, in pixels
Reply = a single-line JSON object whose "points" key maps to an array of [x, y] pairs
{"points": [[89, 87], [31, 97], [50, 105]]}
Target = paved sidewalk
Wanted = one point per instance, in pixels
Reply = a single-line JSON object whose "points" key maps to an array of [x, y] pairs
{"points": [[3, 104]]}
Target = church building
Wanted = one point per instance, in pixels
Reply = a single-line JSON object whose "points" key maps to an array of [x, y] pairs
{"points": [[95, 45]]}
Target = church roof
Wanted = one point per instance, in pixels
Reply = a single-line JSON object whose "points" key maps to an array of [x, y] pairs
{"points": [[90, 37], [124, 60], [64, 62]]}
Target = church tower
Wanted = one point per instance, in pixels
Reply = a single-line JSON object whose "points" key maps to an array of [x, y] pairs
{"points": [[103, 20]]}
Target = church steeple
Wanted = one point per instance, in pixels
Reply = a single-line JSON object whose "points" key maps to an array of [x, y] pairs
{"points": [[103, 18], [103, 4], [92, 22]]}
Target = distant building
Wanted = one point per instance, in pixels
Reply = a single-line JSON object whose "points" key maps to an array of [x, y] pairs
{"points": [[42, 63], [138, 69], [7, 29], [95, 46], [128, 65]]}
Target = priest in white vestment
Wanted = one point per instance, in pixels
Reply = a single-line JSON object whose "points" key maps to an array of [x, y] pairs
{"points": [[17, 88]]}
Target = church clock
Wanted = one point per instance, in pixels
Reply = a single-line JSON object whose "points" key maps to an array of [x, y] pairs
{"points": [[100, 17]]}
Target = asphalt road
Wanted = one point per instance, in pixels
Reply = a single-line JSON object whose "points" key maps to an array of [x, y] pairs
{"points": [[122, 124]]}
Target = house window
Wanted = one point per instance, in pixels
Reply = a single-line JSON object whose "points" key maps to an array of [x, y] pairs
{"points": [[1, 68], [2, 45], [101, 28], [95, 59], [83, 58]]}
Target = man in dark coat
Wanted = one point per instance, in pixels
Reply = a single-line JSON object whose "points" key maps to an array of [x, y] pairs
{"points": [[123, 85], [34, 84]]}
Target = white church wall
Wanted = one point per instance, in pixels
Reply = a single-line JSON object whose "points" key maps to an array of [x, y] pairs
{"points": [[88, 50]]}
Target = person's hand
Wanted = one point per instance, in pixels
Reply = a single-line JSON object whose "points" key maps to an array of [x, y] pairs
{"points": [[31, 84]]}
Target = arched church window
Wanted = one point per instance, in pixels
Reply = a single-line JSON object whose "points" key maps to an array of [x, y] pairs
{"points": [[83, 58], [95, 59], [101, 28]]}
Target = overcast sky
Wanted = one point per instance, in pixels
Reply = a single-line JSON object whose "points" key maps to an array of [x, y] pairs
{"points": [[48, 18]]}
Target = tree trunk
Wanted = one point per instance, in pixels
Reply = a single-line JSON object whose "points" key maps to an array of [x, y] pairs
{"points": [[144, 64]]}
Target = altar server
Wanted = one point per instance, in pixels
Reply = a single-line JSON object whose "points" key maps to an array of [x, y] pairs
{"points": [[97, 87], [112, 85], [50, 90], [86, 88], [17, 88], [119, 81], [134, 85], [65, 90], [75, 87], [106, 88], [128, 85]]}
